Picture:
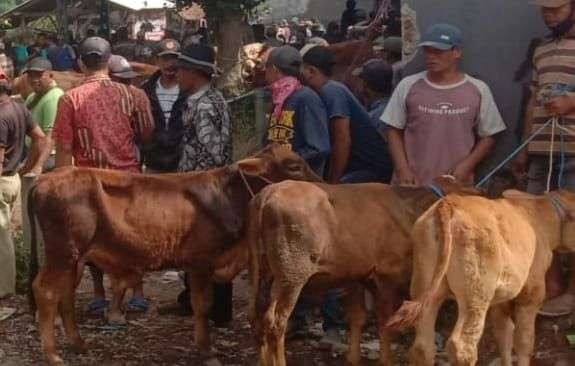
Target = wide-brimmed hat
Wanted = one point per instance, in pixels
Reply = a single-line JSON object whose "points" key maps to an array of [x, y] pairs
{"points": [[551, 3], [198, 56]]}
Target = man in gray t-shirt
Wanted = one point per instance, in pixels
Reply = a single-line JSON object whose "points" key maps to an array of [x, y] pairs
{"points": [[441, 121]]}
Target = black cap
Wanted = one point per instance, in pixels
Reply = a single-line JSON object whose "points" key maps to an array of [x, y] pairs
{"points": [[287, 59], [198, 56], [95, 46], [38, 64], [377, 74], [322, 58], [168, 47]]}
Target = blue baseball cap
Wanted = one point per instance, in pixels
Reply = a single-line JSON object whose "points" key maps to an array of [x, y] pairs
{"points": [[442, 37]]}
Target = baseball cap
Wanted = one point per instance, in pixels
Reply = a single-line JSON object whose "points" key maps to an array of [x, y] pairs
{"points": [[377, 73], [168, 47], [96, 46], [287, 59], [119, 67], [38, 64], [389, 44], [442, 37], [551, 3]]}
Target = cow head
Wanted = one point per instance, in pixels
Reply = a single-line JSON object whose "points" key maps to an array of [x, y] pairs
{"points": [[253, 59], [226, 193]]}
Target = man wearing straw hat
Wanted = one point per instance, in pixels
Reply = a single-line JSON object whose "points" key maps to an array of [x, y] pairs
{"points": [[548, 162]]}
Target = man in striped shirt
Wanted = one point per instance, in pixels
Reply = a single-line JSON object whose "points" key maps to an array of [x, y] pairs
{"points": [[553, 96], [162, 153]]}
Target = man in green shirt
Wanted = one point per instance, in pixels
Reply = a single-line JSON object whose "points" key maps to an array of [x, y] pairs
{"points": [[43, 102]]}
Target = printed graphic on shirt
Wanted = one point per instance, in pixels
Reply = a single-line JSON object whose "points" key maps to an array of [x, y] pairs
{"points": [[281, 131], [443, 109]]}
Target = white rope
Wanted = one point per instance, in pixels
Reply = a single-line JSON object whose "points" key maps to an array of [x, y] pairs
{"points": [[570, 131], [551, 154]]}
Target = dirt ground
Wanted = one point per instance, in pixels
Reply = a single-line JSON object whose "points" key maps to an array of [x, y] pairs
{"points": [[161, 337]]}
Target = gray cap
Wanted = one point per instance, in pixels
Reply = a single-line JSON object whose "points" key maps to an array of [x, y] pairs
{"points": [[96, 46], [287, 59], [38, 64], [119, 67], [168, 47]]}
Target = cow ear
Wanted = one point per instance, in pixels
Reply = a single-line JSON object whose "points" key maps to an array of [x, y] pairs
{"points": [[253, 166]]}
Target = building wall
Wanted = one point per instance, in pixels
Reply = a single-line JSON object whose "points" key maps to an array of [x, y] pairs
{"points": [[325, 10]]}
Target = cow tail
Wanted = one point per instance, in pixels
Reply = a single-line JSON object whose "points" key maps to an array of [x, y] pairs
{"points": [[34, 262], [410, 311]]}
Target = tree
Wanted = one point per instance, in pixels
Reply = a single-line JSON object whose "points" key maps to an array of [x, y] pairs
{"points": [[6, 5], [227, 18]]}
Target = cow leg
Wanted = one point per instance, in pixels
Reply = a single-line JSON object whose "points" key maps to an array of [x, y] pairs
{"points": [[422, 353], [283, 300], [201, 289], [68, 312], [115, 314], [462, 345], [386, 298], [47, 292], [503, 332], [525, 331], [355, 300]]}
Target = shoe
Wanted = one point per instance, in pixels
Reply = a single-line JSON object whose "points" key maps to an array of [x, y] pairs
{"points": [[559, 306]]}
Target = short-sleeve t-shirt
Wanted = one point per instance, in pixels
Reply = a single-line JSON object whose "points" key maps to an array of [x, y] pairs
{"points": [[15, 123], [45, 109], [441, 123], [303, 127], [368, 151]]}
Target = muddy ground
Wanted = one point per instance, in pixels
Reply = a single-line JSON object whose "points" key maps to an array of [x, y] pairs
{"points": [[162, 337]]}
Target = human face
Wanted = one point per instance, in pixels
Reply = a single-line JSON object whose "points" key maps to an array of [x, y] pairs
{"points": [[272, 74], [554, 16], [167, 65], [39, 80], [438, 61]]}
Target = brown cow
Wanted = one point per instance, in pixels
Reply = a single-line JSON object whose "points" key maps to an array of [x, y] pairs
{"points": [[326, 235], [128, 224], [488, 255], [67, 80]]}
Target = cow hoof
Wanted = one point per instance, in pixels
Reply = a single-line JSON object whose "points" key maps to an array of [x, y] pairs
{"points": [[55, 361]]}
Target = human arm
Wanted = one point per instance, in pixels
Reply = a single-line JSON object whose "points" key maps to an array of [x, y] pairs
{"points": [[403, 172], [143, 119], [311, 140], [39, 151], [213, 129], [464, 171], [63, 133], [519, 165], [341, 148]]}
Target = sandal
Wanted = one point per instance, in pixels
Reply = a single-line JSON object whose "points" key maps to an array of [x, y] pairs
{"points": [[138, 305], [98, 306]]}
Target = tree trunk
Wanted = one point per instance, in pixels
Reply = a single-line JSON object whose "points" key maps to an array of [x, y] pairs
{"points": [[231, 35]]}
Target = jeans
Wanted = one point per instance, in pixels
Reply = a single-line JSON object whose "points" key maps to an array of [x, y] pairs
{"points": [[331, 312], [9, 193]]}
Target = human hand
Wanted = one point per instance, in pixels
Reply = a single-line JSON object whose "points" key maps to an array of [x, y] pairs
{"points": [[405, 177], [560, 106], [464, 173]]}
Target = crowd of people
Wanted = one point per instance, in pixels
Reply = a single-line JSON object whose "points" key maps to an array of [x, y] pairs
{"points": [[436, 122]]}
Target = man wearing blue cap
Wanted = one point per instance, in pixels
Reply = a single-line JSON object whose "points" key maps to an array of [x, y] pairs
{"points": [[441, 121]]}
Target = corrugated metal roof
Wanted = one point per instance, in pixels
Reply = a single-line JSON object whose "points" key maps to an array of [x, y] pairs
{"points": [[143, 4]]}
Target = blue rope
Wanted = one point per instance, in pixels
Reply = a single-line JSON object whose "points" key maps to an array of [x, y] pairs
{"points": [[437, 190], [512, 155]]}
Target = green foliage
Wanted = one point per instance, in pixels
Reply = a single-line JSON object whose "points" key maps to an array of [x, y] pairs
{"points": [[6, 5]]}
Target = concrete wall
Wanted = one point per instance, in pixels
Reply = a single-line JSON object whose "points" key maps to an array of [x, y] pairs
{"points": [[497, 35], [325, 10]]}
